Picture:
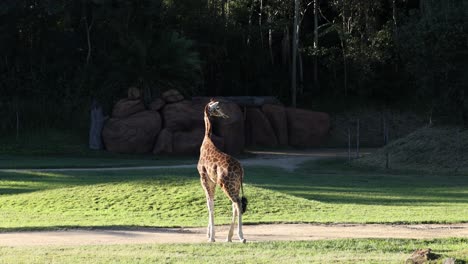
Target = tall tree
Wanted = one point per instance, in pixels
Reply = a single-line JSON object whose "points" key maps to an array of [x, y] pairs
{"points": [[315, 45], [294, 53]]}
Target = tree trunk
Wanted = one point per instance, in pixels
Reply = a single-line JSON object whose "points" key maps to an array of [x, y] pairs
{"points": [[395, 29], [228, 11], [345, 71], [223, 10], [294, 52], [250, 22], [301, 74], [286, 47], [394, 17], [343, 48], [316, 44], [260, 22], [270, 39], [88, 28]]}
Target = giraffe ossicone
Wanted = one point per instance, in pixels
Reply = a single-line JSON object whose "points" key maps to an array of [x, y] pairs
{"points": [[218, 168]]}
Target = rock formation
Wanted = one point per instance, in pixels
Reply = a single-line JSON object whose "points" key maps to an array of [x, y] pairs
{"points": [[172, 125]]}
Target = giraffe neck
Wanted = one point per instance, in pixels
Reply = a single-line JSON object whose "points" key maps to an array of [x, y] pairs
{"points": [[207, 126]]}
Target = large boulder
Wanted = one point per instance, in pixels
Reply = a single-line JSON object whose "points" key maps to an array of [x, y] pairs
{"points": [[134, 134], [259, 131], [276, 114], [126, 107], [307, 128], [163, 142], [182, 116], [189, 142], [231, 129], [133, 93], [172, 96], [157, 104]]}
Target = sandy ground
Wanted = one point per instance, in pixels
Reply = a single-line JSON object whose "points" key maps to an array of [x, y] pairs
{"points": [[274, 232], [253, 233]]}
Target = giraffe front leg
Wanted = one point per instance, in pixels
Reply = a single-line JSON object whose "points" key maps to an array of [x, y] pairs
{"points": [[209, 188], [233, 223], [211, 231]]}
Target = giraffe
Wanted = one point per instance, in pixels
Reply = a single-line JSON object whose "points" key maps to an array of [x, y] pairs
{"points": [[218, 168]]}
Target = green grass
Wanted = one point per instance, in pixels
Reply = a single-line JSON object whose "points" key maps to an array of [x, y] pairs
{"points": [[320, 192], [325, 251]]}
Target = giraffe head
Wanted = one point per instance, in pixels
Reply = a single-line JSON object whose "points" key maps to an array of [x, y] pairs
{"points": [[213, 109]]}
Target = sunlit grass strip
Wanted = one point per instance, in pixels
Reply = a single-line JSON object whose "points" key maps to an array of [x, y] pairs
{"points": [[325, 251]]}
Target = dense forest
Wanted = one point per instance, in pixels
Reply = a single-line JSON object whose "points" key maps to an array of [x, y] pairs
{"points": [[56, 56]]}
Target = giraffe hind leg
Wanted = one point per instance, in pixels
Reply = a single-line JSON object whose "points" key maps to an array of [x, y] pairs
{"points": [[239, 222], [233, 223], [233, 195]]}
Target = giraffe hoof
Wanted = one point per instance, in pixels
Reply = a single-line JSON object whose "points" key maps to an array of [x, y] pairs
{"points": [[228, 240], [211, 240], [243, 240]]}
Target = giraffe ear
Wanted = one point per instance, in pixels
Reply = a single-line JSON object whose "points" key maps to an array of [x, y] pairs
{"points": [[213, 104]]}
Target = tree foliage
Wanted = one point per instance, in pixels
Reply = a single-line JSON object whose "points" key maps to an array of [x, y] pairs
{"points": [[57, 55], [433, 48]]}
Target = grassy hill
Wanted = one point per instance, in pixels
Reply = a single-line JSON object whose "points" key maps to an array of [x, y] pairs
{"points": [[428, 148]]}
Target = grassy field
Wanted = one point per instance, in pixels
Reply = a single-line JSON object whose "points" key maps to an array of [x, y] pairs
{"points": [[325, 251], [326, 191], [320, 192]]}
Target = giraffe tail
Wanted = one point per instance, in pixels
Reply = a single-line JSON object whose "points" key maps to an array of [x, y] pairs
{"points": [[244, 203], [243, 200]]}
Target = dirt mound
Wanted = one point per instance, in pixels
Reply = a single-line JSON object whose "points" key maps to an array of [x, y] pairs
{"points": [[428, 148]]}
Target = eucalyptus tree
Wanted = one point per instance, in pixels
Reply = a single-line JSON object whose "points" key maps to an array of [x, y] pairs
{"points": [[433, 47]]}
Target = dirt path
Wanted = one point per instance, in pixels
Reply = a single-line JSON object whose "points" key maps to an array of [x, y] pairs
{"points": [[253, 233], [288, 160]]}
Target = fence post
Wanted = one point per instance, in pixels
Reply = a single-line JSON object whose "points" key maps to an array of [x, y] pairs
{"points": [[96, 126], [387, 165], [349, 143], [17, 125], [357, 138]]}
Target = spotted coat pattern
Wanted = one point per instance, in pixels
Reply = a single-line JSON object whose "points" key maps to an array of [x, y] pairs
{"points": [[216, 167]]}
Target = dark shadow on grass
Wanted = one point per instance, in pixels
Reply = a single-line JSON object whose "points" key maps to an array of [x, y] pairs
{"points": [[324, 181], [335, 182]]}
